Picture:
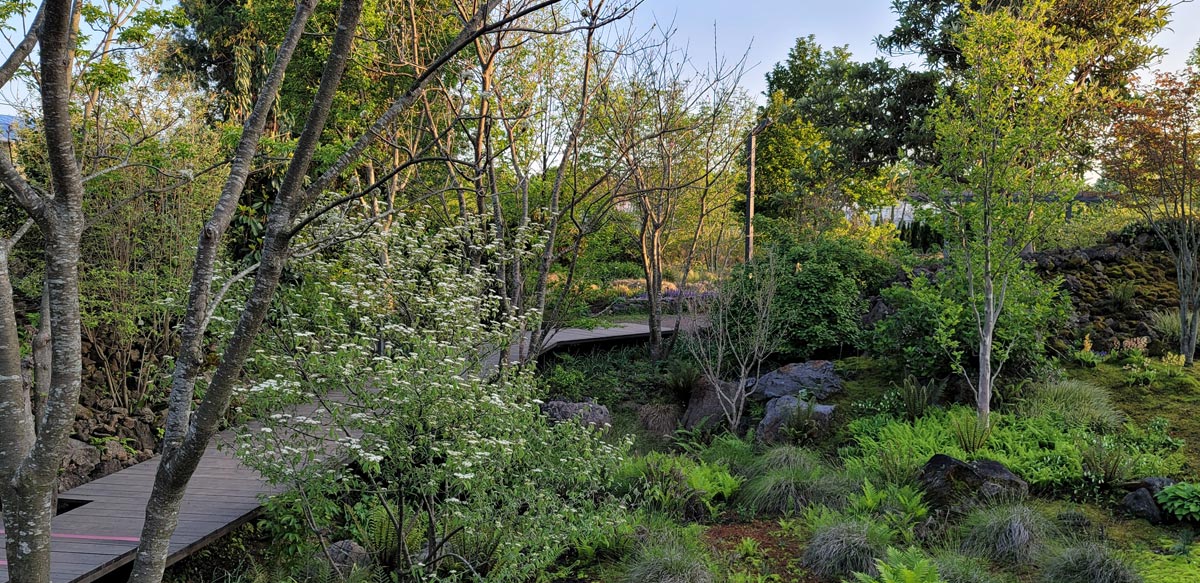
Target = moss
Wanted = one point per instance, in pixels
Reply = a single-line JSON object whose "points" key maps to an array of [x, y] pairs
{"points": [[1174, 396], [1168, 568], [865, 379]]}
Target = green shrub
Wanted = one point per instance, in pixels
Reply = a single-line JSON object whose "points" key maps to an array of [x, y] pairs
{"points": [[907, 566], [818, 306], [788, 456], [1107, 460], [922, 333], [901, 508], [668, 558], [839, 550], [729, 450], [970, 433], [1079, 403], [932, 332], [1123, 292], [609, 377], [916, 397], [1181, 500], [1010, 534], [1044, 451], [1087, 563]]}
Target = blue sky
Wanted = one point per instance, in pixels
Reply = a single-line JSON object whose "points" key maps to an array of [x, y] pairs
{"points": [[770, 28]]}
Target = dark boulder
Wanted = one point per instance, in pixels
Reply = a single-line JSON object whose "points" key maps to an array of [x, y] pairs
{"points": [[815, 378], [586, 413], [346, 556], [1154, 485], [948, 482], [783, 410], [1140, 504]]}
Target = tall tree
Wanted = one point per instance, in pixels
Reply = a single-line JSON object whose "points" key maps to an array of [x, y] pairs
{"points": [[839, 125], [1003, 159], [1121, 31], [1153, 152]]}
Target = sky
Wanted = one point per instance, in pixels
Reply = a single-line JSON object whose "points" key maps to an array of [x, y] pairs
{"points": [[769, 28]]}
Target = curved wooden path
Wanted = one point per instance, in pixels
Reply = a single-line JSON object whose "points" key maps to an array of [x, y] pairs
{"points": [[99, 533]]}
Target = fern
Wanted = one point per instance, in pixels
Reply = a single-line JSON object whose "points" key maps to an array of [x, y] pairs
{"points": [[908, 566]]}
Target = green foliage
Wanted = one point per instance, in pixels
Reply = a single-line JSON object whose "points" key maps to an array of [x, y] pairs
{"points": [[1079, 403], [970, 434], [393, 339], [932, 333], [669, 558], [954, 567], [610, 376], [1158, 567], [1041, 449], [902, 508], [819, 306], [728, 450], [1106, 460], [1089, 226], [1011, 535], [1181, 500], [862, 114], [916, 397], [676, 485], [907, 566], [1087, 563], [840, 549], [821, 288]]}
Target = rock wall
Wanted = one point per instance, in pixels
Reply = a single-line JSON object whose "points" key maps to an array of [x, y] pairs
{"points": [[1089, 276]]}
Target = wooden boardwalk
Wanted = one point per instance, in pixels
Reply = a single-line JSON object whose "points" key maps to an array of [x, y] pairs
{"points": [[99, 534], [565, 337]]}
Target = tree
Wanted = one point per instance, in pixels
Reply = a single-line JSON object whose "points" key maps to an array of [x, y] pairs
{"points": [[33, 448], [840, 125], [662, 132], [740, 331], [1120, 30], [1003, 161], [1153, 152]]}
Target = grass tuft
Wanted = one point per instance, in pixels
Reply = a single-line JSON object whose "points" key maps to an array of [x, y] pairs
{"points": [[1079, 403], [839, 550], [1087, 563], [1009, 534]]}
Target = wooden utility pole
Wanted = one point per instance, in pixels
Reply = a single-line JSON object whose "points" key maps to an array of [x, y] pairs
{"points": [[753, 146]]}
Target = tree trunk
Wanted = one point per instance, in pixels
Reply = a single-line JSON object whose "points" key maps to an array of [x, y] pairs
{"points": [[28, 508], [42, 356], [179, 461]]}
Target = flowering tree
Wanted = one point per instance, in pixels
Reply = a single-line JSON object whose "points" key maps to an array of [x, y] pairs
{"points": [[443, 454], [31, 448]]}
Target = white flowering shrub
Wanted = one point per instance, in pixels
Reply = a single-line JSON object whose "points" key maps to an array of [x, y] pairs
{"points": [[377, 411]]}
